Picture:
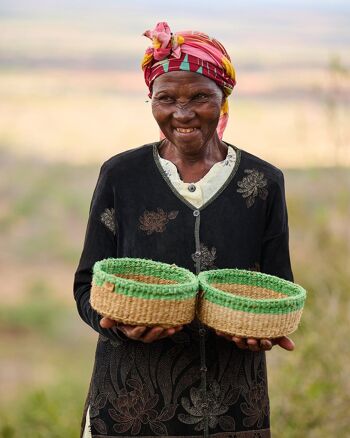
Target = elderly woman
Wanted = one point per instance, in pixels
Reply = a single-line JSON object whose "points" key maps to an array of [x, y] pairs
{"points": [[202, 203]]}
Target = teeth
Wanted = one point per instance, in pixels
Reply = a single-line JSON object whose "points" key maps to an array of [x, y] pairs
{"points": [[184, 130]]}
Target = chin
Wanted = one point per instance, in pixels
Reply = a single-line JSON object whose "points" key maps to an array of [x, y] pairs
{"points": [[189, 144]]}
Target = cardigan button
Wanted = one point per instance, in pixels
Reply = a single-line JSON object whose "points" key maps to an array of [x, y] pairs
{"points": [[202, 332], [196, 213], [192, 188]]}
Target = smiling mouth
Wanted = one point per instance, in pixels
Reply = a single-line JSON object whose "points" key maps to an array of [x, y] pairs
{"points": [[185, 130]]}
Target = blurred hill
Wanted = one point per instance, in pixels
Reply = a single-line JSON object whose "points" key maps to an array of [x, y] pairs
{"points": [[106, 34]]}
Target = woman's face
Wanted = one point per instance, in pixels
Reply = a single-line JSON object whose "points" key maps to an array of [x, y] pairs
{"points": [[186, 106]]}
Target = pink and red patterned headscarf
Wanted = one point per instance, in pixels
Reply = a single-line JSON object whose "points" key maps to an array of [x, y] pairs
{"points": [[189, 51]]}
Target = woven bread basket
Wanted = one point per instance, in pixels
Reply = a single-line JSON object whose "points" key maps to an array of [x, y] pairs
{"points": [[249, 304], [143, 292]]}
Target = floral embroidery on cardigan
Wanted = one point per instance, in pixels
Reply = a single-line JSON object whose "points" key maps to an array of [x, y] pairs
{"points": [[108, 219], [256, 406], [133, 393], [253, 185], [214, 405], [137, 389], [206, 257], [136, 406], [155, 221]]}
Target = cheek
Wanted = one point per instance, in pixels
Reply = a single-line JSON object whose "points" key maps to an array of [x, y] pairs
{"points": [[159, 114], [211, 114], [155, 111]]}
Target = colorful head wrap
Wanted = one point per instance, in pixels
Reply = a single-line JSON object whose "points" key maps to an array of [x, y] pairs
{"points": [[189, 51]]}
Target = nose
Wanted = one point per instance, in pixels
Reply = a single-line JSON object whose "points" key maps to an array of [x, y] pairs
{"points": [[183, 113]]}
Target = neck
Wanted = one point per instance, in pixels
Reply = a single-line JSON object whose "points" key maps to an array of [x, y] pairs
{"points": [[193, 165]]}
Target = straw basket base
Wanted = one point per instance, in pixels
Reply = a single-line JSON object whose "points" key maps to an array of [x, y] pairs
{"points": [[140, 311], [244, 324]]}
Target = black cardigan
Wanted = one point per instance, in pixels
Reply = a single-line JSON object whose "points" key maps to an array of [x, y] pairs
{"points": [[194, 383]]}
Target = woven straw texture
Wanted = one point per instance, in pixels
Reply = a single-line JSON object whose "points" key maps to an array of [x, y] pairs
{"points": [[143, 292], [249, 304]]}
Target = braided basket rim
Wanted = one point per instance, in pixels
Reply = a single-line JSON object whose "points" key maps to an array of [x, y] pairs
{"points": [[186, 286], [294, 300]]}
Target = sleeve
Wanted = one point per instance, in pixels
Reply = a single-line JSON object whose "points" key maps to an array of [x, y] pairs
{"points": [[100, 242], [275, 258]]}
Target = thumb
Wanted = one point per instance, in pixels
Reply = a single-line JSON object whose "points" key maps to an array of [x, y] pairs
{"points": [[285, 343], [107, 323]]}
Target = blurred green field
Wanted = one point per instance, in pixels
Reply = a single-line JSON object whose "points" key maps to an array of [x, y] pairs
{"points": [[46, 352]]}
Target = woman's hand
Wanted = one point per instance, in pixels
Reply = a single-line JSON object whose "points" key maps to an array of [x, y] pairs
{"points": [[259, 344], [140, 333]]}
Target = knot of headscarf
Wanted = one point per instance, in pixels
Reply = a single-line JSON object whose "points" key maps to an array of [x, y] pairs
{"points": [[189, 51]]}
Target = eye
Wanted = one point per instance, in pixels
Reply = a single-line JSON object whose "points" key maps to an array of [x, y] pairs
{"points": [[165, 98], [201, 97]]}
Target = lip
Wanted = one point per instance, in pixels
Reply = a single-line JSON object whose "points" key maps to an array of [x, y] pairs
{"points": [[185, 131]]}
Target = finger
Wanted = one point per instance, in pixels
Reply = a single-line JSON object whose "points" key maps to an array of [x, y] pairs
{"points": [[218, 333], [173, 330], [240, 342], [170, 331], [253, 344], [152, 334], [128, 326], [134, 332], [107, 323], [265, 344], [166, 333], [223, 335], [285, 343]]}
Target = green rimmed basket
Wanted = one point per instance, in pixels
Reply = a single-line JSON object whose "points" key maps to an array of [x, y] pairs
{"points": [[249, 304], [143, 292]]}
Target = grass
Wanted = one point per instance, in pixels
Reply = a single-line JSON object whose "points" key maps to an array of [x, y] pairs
{"points": [[46, 357], [310, 389], [53, 411]]}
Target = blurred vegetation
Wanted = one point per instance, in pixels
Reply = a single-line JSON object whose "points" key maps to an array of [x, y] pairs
{"points": [[47, 352], [310, 388]]}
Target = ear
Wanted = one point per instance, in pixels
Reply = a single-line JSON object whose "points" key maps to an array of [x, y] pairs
{"points": [[223, 100], [224, 105]]}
